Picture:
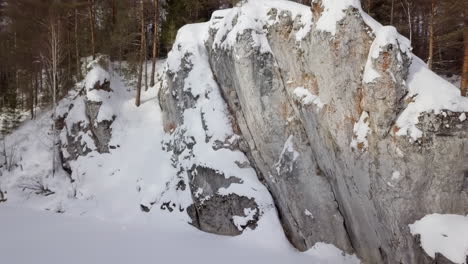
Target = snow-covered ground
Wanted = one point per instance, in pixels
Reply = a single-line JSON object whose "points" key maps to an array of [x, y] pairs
{"points": [[39, 237]]}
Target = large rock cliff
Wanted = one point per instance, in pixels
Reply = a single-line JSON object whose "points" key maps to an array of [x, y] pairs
{"points": [[352, 135]]}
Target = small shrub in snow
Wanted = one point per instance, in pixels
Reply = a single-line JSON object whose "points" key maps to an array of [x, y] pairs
{"points": [[37, 186]]}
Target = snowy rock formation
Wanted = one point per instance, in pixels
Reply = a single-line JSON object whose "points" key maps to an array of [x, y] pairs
{"points": [[351, 133], [85, 123], [206, 147]]}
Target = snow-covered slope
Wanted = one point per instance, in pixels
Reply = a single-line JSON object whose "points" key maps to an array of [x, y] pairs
{"points": [[105, 185]]}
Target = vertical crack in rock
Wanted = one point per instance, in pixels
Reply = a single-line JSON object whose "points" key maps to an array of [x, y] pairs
{"points": [[296, 113]]}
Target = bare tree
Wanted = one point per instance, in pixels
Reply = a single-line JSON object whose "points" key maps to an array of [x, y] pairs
{"points": [[432, 14], [392, 12], [92, 27], [142, 46], [77, 50], [155, 41], [407, 7], [52, 58], [464, 83], [145, 61]]}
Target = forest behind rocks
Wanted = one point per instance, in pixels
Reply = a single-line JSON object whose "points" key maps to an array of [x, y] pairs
{"points": [[135, 31]]}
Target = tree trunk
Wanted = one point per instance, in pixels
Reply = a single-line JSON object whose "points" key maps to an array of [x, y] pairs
{"points": [[54, 99], [31, 95], [69, 59], [407, 10], [114, 8], [120, 58], [145, 61], [55, 55], [430, 59], [77, 50], [410, 24], [16, 66], [112, 55], [36, 90], [91, 25], [464, 82], [142, 43], [392, 12], [41, 81], [155, 42]]}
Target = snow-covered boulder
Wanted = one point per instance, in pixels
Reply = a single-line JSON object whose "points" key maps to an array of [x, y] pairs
{"points": [[227, 196], [85, 121], [353, 136]]}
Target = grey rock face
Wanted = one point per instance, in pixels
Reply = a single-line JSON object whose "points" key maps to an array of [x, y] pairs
{"points": [[254, 89], [100, 130], [73, 143], [361, 199], [210, 210], [209, 215]]}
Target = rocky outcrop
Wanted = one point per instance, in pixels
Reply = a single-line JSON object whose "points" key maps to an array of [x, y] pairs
{"points": [[320, 110], [82, 129], [226, 196]]}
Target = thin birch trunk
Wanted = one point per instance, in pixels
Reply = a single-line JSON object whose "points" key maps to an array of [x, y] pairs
{"points": [[142, 41], [155, 42]]}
